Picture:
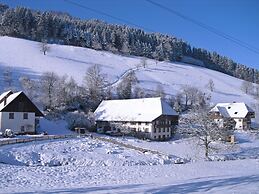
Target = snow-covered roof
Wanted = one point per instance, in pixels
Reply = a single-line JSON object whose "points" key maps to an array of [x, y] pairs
{"points": [[5, 94], [142, 110], [9, 99], [232, 110]]}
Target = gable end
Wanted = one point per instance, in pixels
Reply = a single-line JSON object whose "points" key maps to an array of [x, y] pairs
{"points": [[22, 104]]}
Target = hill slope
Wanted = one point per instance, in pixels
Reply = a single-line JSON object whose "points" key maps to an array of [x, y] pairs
{"points": [[24, 57]]}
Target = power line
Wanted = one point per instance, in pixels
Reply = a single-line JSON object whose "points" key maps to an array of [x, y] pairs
{"points": [[207, 27], [107, 14]]}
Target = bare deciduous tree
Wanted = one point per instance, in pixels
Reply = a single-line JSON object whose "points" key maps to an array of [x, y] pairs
{"points": [[159, 92], [30, 87], [8, 78], [247, 87], [49, 85], [44, 47], [144, 62], [95, 83], [199, 124], [257, 90], [193, 97], [139, 92], [211, 85], [124, 88]]}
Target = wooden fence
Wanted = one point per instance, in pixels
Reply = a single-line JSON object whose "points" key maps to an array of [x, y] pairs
{"points": [[36, 138]]}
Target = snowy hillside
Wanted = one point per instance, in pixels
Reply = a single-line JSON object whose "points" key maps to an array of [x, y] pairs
{"points": [[24, 57]]}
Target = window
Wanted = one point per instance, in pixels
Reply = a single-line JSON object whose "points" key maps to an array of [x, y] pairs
{"points": [[159, 137], [25, 115], [239, 120], [159, 130], [154, 130], [154, 137], [22, 129], [139, 123], [163, 129], [168, 129], [11, 115]]}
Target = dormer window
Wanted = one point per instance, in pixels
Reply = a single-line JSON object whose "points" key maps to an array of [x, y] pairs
{"points": [[229, 107], [235, 113]]}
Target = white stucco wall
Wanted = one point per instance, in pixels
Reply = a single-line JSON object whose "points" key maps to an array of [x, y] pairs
{"points": [[18, 121], [147, 127], [220, 122], [239, 124]]}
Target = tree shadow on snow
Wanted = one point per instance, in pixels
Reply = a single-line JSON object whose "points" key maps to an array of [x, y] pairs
{"points": [[204, 186]]}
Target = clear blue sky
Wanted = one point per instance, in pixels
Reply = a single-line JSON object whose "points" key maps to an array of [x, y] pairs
{"points": [[238, 18]]}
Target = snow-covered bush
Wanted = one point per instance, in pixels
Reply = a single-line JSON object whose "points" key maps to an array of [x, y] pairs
{"points": [[8, 133], [79, 119]]}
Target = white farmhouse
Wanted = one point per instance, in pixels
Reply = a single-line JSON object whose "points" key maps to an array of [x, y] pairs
{"points": [[240, 112], [18, 113], [152, 117]]}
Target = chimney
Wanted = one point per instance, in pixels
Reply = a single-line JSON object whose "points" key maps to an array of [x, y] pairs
{"points": [[5, 98]]}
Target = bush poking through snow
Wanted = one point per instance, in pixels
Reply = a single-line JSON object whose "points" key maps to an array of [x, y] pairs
{"points": [[79, 119]]}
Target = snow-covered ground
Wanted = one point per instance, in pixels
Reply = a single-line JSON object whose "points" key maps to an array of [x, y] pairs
{"points": [[91, 165], [24, 57]]}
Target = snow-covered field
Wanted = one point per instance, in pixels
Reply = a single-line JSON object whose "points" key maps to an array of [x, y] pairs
{"points": [[91, 165], [83, 165], [24, 57], [76, 152]]}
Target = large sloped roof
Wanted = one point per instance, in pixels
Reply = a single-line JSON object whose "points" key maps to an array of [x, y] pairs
{"points": [[142, 110], [232, 110], [10, 102]]}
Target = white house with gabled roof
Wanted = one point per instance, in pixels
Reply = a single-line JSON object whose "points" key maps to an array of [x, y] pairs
{"points": [[150, 116], [18, 113], [239, 111]]}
